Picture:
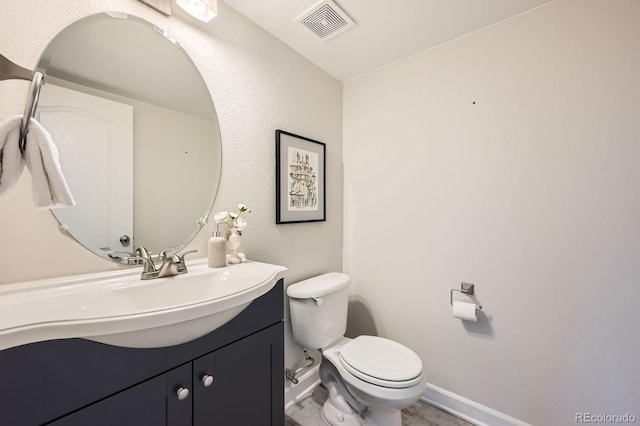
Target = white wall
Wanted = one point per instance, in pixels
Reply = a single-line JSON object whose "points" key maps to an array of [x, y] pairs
{"points": [[258, 85], [508, 158]]}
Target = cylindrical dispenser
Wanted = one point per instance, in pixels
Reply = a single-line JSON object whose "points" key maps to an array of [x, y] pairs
{"points": [[217, 250]]}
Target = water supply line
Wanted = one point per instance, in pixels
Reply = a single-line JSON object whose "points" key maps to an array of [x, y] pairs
{"points": [[291, 373]]}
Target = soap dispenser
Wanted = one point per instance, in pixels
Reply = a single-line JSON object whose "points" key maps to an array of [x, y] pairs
{"points": [[217, 250]]}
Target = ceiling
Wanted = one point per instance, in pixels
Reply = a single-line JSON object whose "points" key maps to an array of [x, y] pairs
{"points": [[384, 32]]}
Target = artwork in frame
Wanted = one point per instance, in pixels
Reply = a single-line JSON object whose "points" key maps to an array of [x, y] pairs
{"points": [[300, 179]]}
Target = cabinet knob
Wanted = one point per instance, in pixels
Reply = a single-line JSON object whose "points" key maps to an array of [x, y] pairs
{"points": [[207, 380], [182, 393]]}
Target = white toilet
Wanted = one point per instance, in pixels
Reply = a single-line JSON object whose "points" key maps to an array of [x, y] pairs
{"points": [[369, 379]]}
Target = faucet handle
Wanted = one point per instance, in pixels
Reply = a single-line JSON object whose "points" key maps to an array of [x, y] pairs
{"points": [[182, 266], [181, 256]]}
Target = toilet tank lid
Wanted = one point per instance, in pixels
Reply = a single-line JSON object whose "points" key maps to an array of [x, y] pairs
{"points": [[318, 286]]}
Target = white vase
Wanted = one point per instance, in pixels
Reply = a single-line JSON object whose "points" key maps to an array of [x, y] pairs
{"points": [[234, 242]]}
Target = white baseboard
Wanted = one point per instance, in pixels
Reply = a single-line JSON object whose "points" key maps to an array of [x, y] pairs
{"points": [[466, 409], [307, 383]]}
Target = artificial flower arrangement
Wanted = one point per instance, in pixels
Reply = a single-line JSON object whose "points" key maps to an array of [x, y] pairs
{"points": [[234, 220]]}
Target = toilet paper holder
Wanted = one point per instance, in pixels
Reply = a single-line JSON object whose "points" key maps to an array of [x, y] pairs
{"points": [[466, 288]]}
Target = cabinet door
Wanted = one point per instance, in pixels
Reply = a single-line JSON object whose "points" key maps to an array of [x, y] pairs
{"points": [[179, 396], [241, 390], [21, 389], [151, 403]]}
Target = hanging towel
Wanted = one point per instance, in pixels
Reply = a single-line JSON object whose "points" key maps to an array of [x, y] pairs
{"points": [[11, 163], [50, 189]]}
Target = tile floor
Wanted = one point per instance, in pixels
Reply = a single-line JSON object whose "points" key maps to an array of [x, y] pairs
{"points": [[307, 413]]}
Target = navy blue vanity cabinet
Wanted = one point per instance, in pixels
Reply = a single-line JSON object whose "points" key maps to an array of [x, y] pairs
{"points": [[21, 389], [154, 402], [243, 369], [231, 376]]}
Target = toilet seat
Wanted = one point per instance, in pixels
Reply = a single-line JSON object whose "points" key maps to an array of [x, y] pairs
{"points": [[381, 362]]}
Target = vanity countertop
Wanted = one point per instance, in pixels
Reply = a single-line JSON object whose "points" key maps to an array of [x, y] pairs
{"points": [[117, 307]]}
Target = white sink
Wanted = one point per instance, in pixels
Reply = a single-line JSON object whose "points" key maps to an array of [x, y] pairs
{"points": [[119, 309]]}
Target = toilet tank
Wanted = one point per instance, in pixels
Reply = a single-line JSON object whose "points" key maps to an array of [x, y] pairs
{"points": [[318, 309]]}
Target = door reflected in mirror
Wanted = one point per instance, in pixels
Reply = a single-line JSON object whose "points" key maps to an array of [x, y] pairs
{"points": [[137, 133]]}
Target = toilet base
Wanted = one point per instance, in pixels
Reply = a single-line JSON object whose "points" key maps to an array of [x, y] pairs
{"points": [[377, 416], [336, 417]]}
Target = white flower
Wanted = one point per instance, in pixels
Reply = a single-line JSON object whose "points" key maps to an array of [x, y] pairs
{"points": [[240, 223], [234, 220], [221, 216]]}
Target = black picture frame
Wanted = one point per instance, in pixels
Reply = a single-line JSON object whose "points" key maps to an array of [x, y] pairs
{"points": [[300, 179]]}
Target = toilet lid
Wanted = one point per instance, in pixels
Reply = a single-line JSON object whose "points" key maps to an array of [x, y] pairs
{"points": [[381, 361]]}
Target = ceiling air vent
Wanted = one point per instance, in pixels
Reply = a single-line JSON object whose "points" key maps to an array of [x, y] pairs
{"points": [[326, 20]]}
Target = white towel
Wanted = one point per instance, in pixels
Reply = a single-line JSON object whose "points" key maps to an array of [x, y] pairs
{"points": [[11, 163], [50, 189]]}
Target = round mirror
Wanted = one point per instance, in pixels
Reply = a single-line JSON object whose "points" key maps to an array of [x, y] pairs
{"points": [[137, 133]]}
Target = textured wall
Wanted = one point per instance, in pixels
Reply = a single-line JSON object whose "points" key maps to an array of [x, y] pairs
{"points": [[258, 85], [508, 158]]}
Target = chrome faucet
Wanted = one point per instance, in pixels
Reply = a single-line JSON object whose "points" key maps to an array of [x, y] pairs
{"points": [[171, 265]]}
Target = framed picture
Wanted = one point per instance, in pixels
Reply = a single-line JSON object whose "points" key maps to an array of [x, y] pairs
{"points": [[300, 179]]}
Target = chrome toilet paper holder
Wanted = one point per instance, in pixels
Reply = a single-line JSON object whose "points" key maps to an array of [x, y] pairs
{"points": [[466, 288]]}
